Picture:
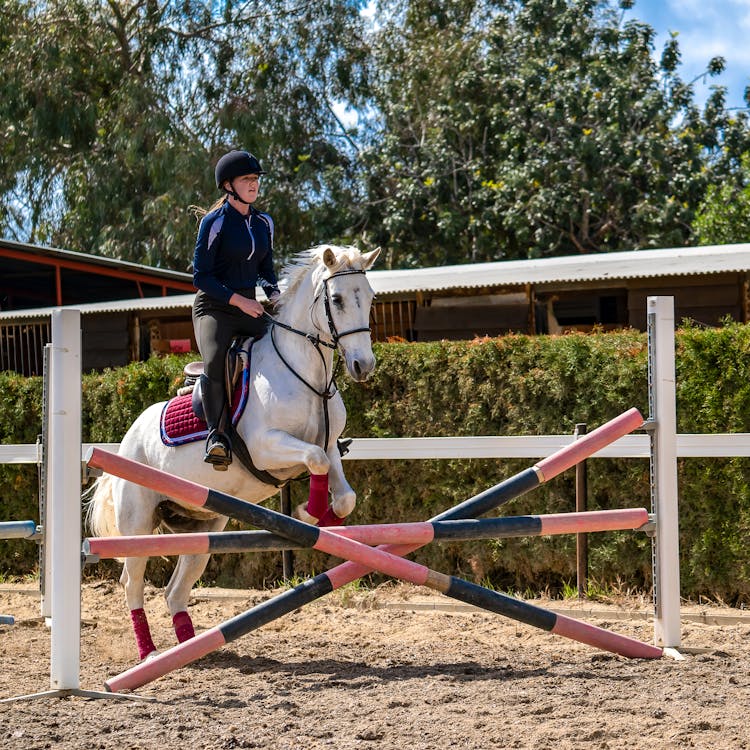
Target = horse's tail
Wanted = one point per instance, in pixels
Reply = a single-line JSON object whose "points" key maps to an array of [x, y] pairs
{"points": [[100, 508]]}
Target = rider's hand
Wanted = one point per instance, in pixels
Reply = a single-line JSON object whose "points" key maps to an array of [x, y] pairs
{"points": [[250, 307]]}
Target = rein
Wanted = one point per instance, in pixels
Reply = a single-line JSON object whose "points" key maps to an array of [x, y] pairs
{"points": [[330, 386]]}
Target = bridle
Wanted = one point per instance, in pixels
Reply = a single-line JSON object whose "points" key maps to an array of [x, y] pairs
{"points": [[330, 388], [335, 335]]}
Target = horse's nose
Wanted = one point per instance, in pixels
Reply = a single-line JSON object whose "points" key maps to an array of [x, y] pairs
{"points": [[362, 367]]}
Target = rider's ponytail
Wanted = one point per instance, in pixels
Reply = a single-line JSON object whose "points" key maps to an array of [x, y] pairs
{"points": [[199, 212]]}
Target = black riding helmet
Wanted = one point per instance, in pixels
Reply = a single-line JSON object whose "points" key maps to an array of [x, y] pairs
{"points": [[233, 165]]}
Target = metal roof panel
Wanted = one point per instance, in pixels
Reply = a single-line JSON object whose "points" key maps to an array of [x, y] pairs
{"points": [[595, 267], [140, 304]]}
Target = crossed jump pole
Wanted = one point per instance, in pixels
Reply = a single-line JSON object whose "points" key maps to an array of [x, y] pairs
{"points": [[362, 559], [224, 542]]}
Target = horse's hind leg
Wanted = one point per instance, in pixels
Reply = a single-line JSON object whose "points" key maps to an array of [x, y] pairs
{"points": [[188, 570], [133, 573], [135, 514]]}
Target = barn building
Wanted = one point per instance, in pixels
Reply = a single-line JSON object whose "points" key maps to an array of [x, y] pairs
{"points": [[131, 311]]}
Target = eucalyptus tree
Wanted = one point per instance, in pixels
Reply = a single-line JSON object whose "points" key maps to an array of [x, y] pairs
{"points": [[112, 113], [525, 128]]}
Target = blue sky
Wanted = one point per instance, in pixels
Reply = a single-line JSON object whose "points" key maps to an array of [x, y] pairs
{"points": [[706, 28]]}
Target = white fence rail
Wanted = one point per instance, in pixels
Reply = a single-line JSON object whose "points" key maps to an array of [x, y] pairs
{"points": [[719, 445]]}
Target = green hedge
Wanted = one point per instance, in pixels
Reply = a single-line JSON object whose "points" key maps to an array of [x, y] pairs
{"points": [[510, 385]]}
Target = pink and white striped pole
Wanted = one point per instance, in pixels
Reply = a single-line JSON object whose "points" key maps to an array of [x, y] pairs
{"points": [[150, 545]]}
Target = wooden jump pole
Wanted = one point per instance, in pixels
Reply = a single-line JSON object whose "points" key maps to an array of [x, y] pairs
{"points": [[224, 542], [366, 559]]}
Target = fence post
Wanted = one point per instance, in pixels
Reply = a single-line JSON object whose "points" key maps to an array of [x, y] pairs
{"points": [[45, 563], [664, 495], [63, 533], [582, 540]]}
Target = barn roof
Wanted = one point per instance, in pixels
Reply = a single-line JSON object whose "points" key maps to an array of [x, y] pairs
{"points": [[34, 276], [41, 253], [639, 264], [139, 304]]}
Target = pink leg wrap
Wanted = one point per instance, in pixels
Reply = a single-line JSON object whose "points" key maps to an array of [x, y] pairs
{"points": [[183, 627], [317, 502], [142, 633], [329, 518]]}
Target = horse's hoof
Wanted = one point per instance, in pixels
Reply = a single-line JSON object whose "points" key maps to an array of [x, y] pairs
{"points": [[343, 505], [150, 656]]}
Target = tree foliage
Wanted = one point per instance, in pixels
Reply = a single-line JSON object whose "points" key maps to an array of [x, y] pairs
{"points": [[724, 214], [515, 129], [487, 129], [114, 112]]}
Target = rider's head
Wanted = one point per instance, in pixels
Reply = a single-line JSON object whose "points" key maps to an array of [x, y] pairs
{"points": [[242, 168]]}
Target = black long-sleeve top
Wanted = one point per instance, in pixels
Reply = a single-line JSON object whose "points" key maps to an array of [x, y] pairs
{"points": [[233, 252]]}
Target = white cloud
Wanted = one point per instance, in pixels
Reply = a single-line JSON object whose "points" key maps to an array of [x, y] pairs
{"points": [[705, 29], [742, 14]]}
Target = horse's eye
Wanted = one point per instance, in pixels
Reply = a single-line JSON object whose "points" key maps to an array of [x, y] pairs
{"points": [[337, 300]]}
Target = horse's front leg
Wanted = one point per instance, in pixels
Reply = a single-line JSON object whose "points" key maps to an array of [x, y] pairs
{"points": [[343, 497], [276, 449]]}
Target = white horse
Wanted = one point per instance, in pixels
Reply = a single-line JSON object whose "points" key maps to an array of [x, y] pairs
{"points": [[325, 306]]}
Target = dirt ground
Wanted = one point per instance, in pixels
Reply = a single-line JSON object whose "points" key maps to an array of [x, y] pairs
{"points": [[386, 668]]}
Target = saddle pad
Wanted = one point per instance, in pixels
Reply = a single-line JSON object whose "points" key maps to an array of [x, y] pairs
{"points": [[179, 425]]}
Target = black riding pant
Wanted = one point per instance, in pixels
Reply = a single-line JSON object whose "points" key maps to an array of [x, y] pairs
{"points": [[216, 323]]}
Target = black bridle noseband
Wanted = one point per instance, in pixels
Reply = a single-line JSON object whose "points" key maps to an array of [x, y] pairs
{"points": [[330, 386]]}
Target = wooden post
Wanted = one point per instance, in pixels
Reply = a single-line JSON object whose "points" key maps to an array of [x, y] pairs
{"points": [[582, 540], [287, 556]]}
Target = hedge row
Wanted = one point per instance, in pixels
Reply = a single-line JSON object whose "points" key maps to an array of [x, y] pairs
{"points": [[504, 386]]}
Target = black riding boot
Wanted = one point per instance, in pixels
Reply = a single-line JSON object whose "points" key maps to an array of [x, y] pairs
{"points": [[216, 408]]}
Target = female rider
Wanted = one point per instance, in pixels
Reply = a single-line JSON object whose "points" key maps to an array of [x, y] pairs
{"points": [[233, 254]]}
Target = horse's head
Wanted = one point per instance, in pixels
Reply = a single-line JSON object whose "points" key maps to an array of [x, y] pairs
{"points": [[344, 298]]}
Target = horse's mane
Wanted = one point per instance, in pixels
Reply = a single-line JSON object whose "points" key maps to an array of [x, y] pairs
{"points": [[293, 273]]}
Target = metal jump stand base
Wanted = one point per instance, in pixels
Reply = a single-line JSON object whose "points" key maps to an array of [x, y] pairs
{"points": [[75, 692]]}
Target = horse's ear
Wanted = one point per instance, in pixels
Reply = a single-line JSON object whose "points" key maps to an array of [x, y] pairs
{"points": [[370, 258], [329, 258]]}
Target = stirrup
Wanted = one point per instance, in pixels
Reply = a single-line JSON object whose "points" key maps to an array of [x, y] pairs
{"points": [[218, 452]]}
